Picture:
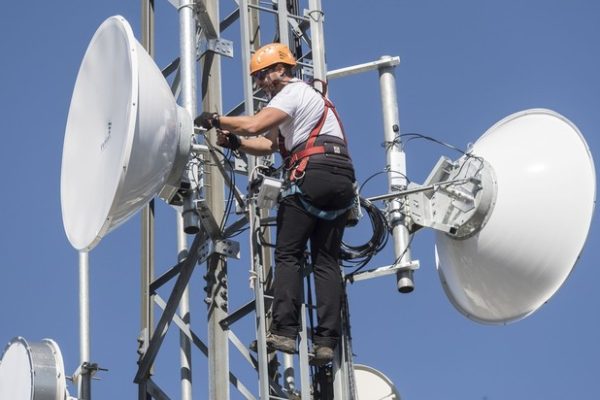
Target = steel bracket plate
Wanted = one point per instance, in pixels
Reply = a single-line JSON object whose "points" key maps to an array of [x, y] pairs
{"points": [[219, 46], [225, 247]]}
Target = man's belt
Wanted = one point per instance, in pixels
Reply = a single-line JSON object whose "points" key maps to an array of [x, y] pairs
{"points": [[325, 148]]}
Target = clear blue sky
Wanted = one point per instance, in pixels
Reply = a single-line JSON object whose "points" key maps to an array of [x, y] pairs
{"points": [[465, 65]]}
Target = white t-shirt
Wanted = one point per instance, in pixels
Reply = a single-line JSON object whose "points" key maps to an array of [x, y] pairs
{"points": [[305, 107]]}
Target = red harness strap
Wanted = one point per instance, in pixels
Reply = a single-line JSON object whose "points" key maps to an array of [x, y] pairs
{"points": [[298, 161]]}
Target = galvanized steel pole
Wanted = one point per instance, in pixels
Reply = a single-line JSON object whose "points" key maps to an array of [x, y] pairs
{"points": [[84, 389], [396, 169], [248, 26], [147, 216], [187, 69], [218, 349]]}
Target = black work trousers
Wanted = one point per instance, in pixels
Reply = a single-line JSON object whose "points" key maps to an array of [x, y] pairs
{"points": [[329, 189]]}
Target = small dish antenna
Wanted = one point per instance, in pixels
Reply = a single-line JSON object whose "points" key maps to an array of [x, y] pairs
{"points": [[539, 217], [126, 139], [373, 385], [32, 371]]}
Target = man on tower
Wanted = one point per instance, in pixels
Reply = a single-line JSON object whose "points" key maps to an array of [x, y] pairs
{"points": [[304, 126]]}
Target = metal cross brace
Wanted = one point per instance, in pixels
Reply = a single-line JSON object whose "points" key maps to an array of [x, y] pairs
{"points": [[147, 360]]}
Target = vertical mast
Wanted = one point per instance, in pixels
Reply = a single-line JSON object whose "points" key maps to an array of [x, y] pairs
{"points": [[218, 357], [396, 167], [187, 69], [147, 214]]}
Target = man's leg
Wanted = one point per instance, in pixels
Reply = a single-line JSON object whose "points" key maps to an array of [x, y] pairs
{"points": [[294, 225], [325, 249]]}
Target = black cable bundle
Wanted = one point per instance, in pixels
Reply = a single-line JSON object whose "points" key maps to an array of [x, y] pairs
{"points": [[360, 255]]}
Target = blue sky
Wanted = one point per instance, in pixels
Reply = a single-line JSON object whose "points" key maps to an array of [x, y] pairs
{"points": [[464, 65]]}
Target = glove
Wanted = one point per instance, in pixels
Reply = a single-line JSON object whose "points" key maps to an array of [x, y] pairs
{"points": [[229, 140], [208, 120]]}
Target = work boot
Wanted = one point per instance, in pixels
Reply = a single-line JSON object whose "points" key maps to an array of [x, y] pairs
{"points": [[281, 343], [321, 355]]}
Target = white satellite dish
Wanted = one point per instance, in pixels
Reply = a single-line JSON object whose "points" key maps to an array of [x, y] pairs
{"points": [[32, 371], [373, 385], [126, 139], [546, 190]]}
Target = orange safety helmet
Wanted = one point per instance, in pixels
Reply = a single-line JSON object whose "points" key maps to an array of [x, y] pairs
{"points": [[271, 54]]}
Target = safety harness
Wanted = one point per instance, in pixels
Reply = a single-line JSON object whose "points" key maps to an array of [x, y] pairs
{"points": [[296, 162]]}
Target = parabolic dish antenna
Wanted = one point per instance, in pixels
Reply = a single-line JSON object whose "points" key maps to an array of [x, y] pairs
{"points": [[546, 190], [32, 371], [373, 385], [126, 139]]}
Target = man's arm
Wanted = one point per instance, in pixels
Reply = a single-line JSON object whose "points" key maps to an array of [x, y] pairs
{"points": [[256, 146], [265, 120]]}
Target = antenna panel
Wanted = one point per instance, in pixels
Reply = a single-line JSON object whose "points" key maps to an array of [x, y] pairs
{"points": [[546, 189]]}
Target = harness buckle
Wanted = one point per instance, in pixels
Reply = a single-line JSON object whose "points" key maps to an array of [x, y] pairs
{"points": [[293, 175]]}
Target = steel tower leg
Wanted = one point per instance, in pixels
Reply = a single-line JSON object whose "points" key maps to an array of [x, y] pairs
{"points": [[147, 217], [261, 257], [343, 372], [218, 357]]}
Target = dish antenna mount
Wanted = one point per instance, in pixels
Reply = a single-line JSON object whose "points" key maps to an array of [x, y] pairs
{"points": [[512, 215]]}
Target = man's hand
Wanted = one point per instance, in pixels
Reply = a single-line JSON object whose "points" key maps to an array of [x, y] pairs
{"points": [[208, 120], [228, 140]]}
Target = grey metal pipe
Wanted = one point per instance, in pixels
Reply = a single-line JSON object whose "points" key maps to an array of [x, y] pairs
{"points": [[282, 17], [187, 69], [214, 183], [187, 66], [84, 379], [315, 16], [147, 216], [261, 325], [366, 67], [396, 167], [185, 346]]}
